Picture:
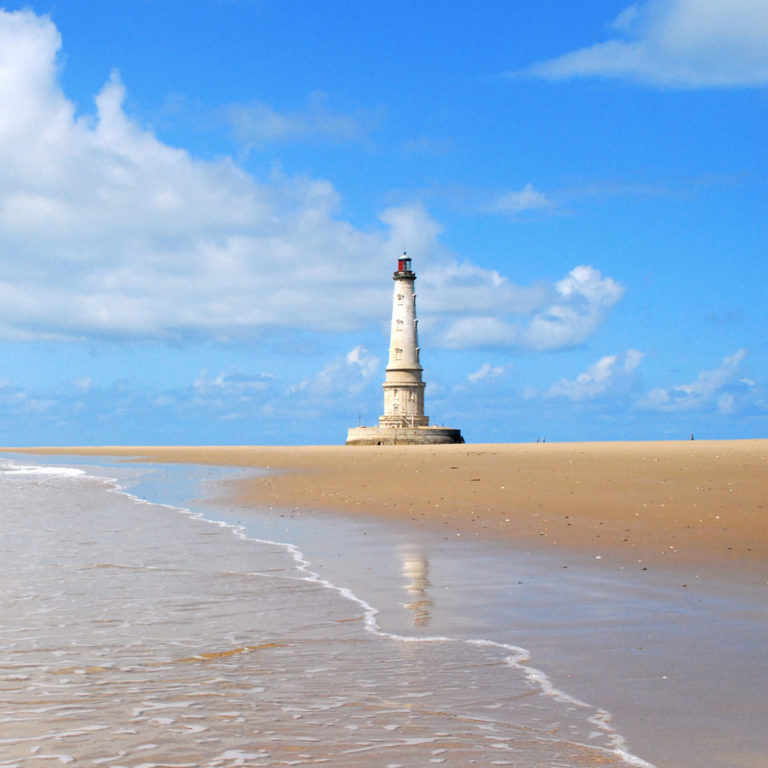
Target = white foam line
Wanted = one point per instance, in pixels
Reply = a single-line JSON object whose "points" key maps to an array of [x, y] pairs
{"points": [[12, 468], [518, 656]]}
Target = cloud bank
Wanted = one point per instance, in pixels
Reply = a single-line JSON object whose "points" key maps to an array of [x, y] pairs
{"points": [[677, 44], [106, 232], [718, 386], [559, 317]]}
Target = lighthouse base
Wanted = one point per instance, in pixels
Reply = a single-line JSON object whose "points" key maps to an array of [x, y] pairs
{"points": [[403, 436]]}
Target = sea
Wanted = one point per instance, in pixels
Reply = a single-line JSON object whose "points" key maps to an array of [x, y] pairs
{"points": [[144, 626]]}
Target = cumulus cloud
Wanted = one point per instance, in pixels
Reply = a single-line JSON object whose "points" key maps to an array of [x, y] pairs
{"points": [[582, 301], [526, 199], [560, 317], [457, 288], [677, 44], [106, 232], [708, 388], [606, 374]]}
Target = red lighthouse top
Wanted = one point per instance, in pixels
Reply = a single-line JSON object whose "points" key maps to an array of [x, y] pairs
{"points": [[404, 267]]}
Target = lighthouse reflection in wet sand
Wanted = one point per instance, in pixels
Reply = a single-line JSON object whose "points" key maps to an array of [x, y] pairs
{"points": [[137, 634], [416, 571]]}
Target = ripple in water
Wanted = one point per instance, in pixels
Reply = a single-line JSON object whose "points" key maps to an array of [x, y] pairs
{"points": [[136, 636]]}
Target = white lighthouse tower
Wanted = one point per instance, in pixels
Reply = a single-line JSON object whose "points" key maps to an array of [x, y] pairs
{"points": [[403, 421], [403, 387]]}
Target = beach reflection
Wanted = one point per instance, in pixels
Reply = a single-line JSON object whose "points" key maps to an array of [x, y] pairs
{"points": [[416, 570]]}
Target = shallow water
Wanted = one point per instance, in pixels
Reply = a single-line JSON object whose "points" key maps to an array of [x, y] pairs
{"points": [[137, 634]]}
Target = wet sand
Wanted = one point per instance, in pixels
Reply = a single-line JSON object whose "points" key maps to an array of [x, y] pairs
{"points": [[663, 620], [692, 504]]}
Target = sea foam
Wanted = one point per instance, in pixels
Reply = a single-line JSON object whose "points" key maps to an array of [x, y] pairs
{"points": [[181, 630]]}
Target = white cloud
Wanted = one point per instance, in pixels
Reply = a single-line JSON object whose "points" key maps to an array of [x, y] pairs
{"points": [[526, 199], [603, 375], [232, 384], [480, 332], [486, 371], [583, 299], [411, 228], [457, 288], [677, 44], [563, 316], [346, 374], [366, 362], [707, 389], [107, 232]]}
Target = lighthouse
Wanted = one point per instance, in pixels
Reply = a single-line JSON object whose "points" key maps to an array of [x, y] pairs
{"points": [[403, 387], [403, 421]]}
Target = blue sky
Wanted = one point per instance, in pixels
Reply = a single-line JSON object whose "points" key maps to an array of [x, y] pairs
{"points": [[202, 203]]}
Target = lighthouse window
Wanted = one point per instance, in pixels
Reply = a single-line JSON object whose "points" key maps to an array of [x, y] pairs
{"points": [[398, 354], [399, 324], [399, 298]]}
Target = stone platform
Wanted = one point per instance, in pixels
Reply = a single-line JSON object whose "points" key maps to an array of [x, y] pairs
{"points": [[403, 436]]}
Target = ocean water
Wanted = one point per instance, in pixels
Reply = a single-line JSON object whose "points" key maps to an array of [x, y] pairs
{"points": [[139, 634]]}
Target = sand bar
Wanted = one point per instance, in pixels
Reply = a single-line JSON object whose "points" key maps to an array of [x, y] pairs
{"points": [[691, 504]]}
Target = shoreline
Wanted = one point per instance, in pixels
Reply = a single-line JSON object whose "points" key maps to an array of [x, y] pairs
{"points": [[690, 506], [672, 645], [208, 637]]}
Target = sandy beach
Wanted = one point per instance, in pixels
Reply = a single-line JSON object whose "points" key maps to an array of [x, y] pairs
{"points": [[680, 526], [692, 504]]}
